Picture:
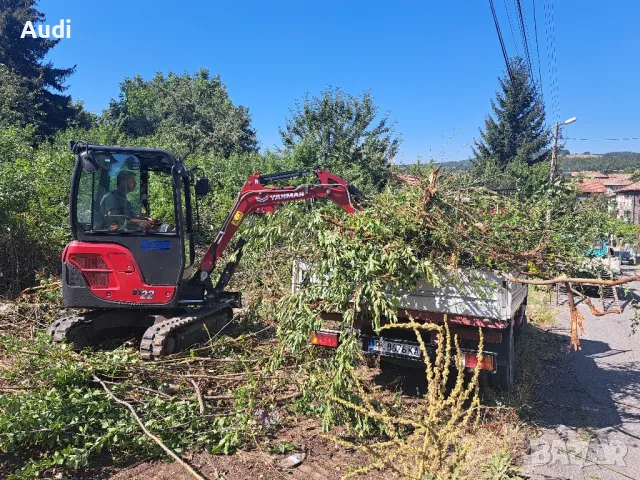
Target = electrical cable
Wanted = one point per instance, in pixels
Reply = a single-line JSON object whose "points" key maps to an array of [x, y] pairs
{"points": [[525, 40], [504, 50], [604, 139], [513, 35], [535, 26], [555, 63]]}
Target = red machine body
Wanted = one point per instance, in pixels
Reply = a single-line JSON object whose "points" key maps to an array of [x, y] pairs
{"points": [[112, 274]]}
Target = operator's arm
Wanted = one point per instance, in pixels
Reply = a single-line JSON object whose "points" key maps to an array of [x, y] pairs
{"points": [[121, 212]]}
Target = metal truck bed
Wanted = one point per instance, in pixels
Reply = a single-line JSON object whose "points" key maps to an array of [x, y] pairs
{"points": [[487, 295]]}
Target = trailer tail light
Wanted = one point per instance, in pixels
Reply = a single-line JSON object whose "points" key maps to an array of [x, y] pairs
{"points": [[93, 267], [488, 361], [324, 338]]}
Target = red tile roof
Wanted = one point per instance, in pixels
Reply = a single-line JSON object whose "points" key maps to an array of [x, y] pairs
{"points": [[630, 188], [611, 182], [591, 186]]}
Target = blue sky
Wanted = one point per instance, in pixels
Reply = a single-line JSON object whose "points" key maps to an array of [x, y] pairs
{"points": [[431, 65]]}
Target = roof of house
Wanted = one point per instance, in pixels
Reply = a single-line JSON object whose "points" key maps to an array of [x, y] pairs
{"points": [[630, 188], [591, 186], [612, 182], [624, 176]]}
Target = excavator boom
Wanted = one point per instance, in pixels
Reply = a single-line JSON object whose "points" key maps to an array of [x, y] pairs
{"points": [[256, 197]]}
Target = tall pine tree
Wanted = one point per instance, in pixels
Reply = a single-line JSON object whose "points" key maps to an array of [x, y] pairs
{"points": [[28, 75], [514, 137]]}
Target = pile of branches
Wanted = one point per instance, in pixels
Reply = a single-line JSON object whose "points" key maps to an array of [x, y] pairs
{"points": [[433, 228]]}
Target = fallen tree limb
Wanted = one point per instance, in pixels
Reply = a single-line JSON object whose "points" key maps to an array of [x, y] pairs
{"points": [[140, 387], [594, 310], [576, 318], [198, 394], [582, 281], [147, 432]]}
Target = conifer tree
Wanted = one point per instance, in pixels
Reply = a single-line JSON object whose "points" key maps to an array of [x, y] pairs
{"points": [[516, 133], [27, 77]]}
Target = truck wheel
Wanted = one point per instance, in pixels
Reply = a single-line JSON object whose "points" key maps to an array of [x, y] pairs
{"points": [[523, 321], [505, 375]]}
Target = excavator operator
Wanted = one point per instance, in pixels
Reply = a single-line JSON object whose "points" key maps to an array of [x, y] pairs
{"points": [[116, 205]]}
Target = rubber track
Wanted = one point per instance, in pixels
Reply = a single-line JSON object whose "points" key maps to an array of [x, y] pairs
{"points": [[153, 340], [59, 330]]}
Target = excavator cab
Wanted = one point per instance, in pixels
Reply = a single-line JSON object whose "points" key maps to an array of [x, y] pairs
{"points": [[131, 246]]}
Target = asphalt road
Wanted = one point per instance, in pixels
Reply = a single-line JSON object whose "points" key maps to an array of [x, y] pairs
{"points": [[589, 411]]}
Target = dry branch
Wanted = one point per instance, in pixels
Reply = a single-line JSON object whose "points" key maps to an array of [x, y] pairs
{"points": [[594, 310], [147, 432], [199, 395], [582, 281]]}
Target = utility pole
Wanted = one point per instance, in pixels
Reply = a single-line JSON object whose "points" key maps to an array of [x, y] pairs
{"points": [[554, 151], [554, 155], [554, 158]]}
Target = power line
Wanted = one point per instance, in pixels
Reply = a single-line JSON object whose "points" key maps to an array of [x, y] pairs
{"points": [[523, 34], [504, 50], [513, 35], [535, 26], [555, 62], [604, 139], [550, 44]]}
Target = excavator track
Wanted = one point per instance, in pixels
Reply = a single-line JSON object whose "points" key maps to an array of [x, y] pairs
{"points": [[175, 334], [75, 330], [95, 327]]}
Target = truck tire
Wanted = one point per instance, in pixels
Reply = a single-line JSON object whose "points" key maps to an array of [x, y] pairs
{"points": [[523, 321], [505, 375]]}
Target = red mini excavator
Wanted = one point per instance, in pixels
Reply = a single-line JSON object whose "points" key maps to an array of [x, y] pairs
{"points": [[133, 272]]}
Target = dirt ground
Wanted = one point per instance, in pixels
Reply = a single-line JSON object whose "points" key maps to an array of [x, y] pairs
{"points": [[324, 459]]}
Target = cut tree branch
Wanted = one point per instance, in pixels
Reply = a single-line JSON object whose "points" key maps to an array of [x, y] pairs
{"points": [[582, 281], [147, 432]]}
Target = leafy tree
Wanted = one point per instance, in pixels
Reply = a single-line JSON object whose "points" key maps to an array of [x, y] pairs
{"points": [[18, 104], [340, 132], [516, 133], [34, 87], [183, 112]]}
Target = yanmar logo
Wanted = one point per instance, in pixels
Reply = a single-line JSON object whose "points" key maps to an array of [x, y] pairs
{"points": [[280, 196]]}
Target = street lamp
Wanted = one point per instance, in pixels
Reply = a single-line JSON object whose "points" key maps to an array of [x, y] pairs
{"points": [[554, 152]]}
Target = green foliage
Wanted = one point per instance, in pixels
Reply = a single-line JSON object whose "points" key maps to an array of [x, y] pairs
{"points": [[19, 105], [63, 418], [500, 467], [34, 197], [339, 132], [511, 142], [184, 113], [423, 233]]}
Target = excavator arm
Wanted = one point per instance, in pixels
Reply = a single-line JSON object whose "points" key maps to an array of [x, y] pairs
{"points": [[256, 197]]}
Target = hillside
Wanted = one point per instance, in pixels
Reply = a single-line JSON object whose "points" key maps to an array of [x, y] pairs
{"points": [[605, 162]]}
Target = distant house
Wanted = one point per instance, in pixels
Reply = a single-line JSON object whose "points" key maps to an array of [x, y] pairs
{"points": [[628, 203], [596, 183], [589, 188]]}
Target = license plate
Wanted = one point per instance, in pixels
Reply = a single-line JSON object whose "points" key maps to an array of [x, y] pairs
{"points": [[389, 347]]}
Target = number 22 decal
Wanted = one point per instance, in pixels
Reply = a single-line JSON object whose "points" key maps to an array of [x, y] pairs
{"points": [[147, 294]]}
